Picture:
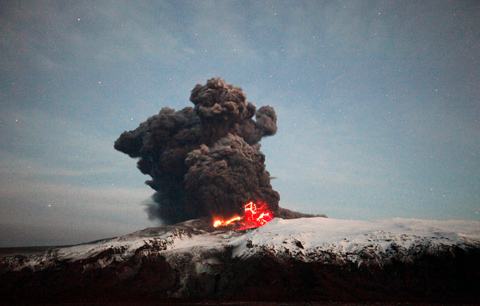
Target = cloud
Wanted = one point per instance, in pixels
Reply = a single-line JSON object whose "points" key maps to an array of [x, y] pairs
{"points": [[41, 143], [218, 28], [65, 213], [63, 182], [50, 35]]}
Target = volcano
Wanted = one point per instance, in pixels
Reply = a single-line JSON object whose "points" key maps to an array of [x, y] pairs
{"points": [[296, 260], [206, 160]]}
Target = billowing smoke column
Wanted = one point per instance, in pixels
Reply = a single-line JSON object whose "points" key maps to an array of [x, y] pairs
{"points": [[204, 160]]}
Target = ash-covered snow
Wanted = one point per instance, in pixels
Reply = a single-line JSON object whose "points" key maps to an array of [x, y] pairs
{"points": [[306, 239]]}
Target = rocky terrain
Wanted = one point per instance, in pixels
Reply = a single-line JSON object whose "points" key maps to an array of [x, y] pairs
{"points": [[307, 259]]}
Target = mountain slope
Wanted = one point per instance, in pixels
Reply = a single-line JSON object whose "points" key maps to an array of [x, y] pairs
{"points": [[298, 259]]}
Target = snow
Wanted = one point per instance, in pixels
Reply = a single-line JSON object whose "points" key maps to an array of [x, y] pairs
{"points": [[317, 231], [307, 239]]}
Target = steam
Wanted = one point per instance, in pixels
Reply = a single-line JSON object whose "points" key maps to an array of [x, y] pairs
{"points": [[204, 160]]}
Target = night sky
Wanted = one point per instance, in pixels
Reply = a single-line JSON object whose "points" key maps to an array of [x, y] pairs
{"points": [[378, 105]]}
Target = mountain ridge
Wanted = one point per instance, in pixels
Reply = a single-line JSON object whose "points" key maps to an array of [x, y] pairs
{"points": [[305, 259]]}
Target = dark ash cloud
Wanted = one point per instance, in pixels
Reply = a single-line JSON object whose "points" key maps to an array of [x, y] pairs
{"points": [[205, 160]]}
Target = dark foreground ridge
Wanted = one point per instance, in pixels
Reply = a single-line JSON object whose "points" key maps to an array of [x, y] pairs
{"points": [[314, 259]]}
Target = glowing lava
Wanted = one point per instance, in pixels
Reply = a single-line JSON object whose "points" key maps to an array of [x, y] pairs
{"points": [[220, 222], [255, 215]]}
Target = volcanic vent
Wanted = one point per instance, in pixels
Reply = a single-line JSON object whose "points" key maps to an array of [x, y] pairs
{"points": [[205, 161]]}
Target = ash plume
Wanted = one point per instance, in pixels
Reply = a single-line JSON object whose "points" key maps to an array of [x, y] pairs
{"points": [[205, 160]]}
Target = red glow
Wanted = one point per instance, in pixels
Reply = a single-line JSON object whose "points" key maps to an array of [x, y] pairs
{"points": [[255, 215]]}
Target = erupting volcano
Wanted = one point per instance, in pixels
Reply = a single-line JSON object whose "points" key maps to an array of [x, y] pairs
{"points": [[206, 161]]}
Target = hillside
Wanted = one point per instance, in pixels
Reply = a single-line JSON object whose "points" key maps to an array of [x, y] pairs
{"points": [[318, 259]]}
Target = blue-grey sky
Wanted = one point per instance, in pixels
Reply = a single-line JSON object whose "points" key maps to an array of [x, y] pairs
{"points": [[378, 104]]}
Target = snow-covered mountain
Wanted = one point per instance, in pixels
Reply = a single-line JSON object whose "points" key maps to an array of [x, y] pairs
{"points": [[307, 258]]}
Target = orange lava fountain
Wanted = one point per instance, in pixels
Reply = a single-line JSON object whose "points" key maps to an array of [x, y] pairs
{"points": [[255, 215]]}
